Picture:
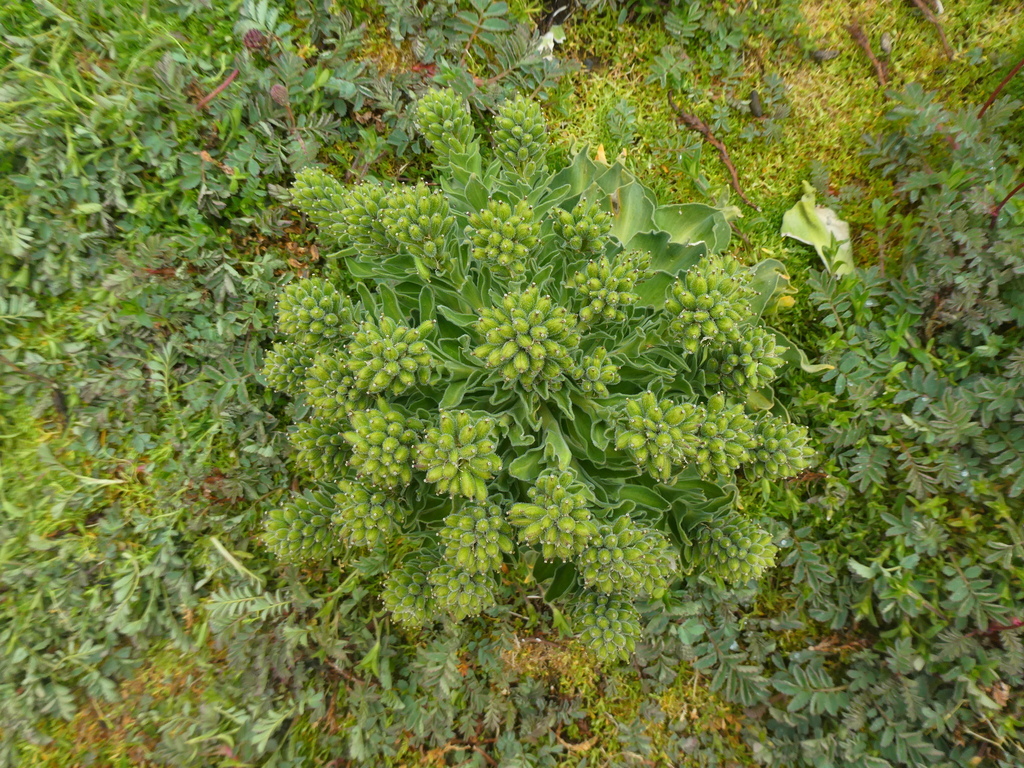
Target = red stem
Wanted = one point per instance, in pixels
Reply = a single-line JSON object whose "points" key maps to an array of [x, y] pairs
{"points": [[994, 628], [999, 89], [999, 208], [216, 91]]}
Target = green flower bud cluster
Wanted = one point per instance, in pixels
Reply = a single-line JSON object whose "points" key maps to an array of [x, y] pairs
{"points": [[445, 121], [475, 538], [627, 559], [583, 229], [314, 312], [607, 285], [461, 593], [558, 519], [388, 358], [609, 626], [323, 199], [727, 438], [361, 221], [303, 529], [527, 338], [330, 387], [285, 368], [783, 449], [597, 372], [382, 441], [748, 364], [504, 235], [459, 455], [660, 434], [520, 140], [365, 517], [321, 448], [407, 594], [347, 217], [420, 220], [733, 549], [710, 303]]}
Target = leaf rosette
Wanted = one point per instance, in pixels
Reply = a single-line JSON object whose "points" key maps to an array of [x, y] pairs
{"points": [[531, 365]]}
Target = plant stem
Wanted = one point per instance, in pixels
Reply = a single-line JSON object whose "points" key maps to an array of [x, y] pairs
{"points": [[1005, 200], [218, 90], [933, 19], [999, 89], [696, 124], [857, 33]]}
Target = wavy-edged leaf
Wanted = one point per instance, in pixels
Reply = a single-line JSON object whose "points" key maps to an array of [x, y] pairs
{"points": [[793, 354]]}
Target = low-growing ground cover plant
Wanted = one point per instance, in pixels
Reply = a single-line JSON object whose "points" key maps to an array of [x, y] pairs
{"points": [[533, 364], [936, 350]]}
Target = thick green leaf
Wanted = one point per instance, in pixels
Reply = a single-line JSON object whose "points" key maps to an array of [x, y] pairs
{"points": [[461, 319], [793, 354], [635, 212], [476, 193], [454, 393], [579, 175], [528, 466], [770, 281], [427, 306], [564, 578], [821, 228], [652, 292], [390, 304], [693, 223], [643, 496], [544, 570]]}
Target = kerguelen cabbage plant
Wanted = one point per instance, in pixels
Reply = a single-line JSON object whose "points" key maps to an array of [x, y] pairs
{"points": [[537, 365]]}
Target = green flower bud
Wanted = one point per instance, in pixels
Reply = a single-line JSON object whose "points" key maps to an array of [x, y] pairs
{"points": [[421, 221], [345, 217], [732, 548], [503, 236], [627, 559], [444, 119], [747, 365], [407, 593], [583, 230], [302, 530], [366, 518], [727, 438], [558, 517], [381, 351], [709, 303], [609, 626], [596, 372], [315, 313], [520, 319], [660, 434], [519, 137], [382, 441], [458, 460], [782, 450], [320, 196], [330, 387], [285, 368], [321, 448], [461, 593], [475, 538], [606, 285]]}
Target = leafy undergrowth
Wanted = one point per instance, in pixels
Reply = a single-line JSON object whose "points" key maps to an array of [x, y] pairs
{"points": [[144, 623]]}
